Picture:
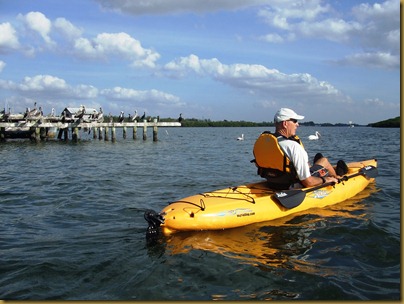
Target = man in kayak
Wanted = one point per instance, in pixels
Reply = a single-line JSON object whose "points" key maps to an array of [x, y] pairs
{"points": [[286, 123]]}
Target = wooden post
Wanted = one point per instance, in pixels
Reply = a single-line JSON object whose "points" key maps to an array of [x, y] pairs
{"points": [[32, 133], [100, 132], [37, 134], [66, 134], [2, 134], [155, 130], [60, 133], [144, 129], [43, 133], [95, 132], [75, 134], [106, 134], [135, 131], [124, 132], [113, 133]]}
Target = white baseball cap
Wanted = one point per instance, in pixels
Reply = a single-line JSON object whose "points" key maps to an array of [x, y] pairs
{"points": [[285, 114]]}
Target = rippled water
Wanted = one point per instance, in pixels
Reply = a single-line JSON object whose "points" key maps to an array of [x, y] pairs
{"points": [[73, 226]]}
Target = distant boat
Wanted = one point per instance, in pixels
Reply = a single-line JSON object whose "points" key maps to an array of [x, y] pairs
{"points": [[351, 125]]}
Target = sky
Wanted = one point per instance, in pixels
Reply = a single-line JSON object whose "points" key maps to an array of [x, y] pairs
{"points": [[331, 61]]}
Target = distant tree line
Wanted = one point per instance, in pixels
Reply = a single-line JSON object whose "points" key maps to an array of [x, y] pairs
{"points": [[223, 123], [193, 122], [388, 123]]}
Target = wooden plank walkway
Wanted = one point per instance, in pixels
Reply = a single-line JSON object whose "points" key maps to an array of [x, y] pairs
{"points": [[38, 129]]}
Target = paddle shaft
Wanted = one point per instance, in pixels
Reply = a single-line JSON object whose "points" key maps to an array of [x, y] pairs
{"points": [[293, 198]]}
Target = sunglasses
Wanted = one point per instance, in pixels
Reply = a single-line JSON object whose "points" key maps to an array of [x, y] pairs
{"points": [[293, 120]]}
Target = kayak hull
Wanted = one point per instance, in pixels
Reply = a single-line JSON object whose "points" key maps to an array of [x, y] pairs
{"points": [[253, 203]]}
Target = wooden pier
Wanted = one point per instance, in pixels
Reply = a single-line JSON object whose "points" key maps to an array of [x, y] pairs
{"points": [[38, 130]]}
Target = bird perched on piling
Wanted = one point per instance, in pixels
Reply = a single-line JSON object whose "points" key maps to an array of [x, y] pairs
{"points": [[121, 117], [100, 116], [143, 116], [80, 113], [134, 116], [33, 113], [180, 118]]}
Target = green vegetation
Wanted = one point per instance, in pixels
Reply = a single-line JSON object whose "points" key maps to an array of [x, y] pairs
{"points": [[193, 122], [388, 123], [223, 123]]}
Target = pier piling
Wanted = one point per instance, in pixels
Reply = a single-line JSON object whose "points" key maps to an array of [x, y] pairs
{"points": [[134, 132], [144, 129], [155, 130]]}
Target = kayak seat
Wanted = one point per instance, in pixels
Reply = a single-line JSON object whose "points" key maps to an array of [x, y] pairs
{"points": [[341, 168]]}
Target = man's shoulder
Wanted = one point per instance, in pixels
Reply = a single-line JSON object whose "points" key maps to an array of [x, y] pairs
{"points": [[289, 143]]}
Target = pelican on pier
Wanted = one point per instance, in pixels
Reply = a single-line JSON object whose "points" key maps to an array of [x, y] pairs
{"points": [[134, 116], [121, 117]]}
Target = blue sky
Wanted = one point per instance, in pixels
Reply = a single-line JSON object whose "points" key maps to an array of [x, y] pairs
{"points": [[331, 61]]}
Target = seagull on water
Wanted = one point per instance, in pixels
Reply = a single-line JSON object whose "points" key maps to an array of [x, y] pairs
{"points": [[314, 137]]}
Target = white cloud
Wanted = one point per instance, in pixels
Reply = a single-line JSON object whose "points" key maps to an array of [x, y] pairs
{"points": [[273, 38], [337, 30], [67, 28], [103, 46], [381, 25], [284, 14], [258, 79], [56, 92], [119, 45], [176, 6], [83, 91], [8, 38], [2, 65], [37, 22], [373, 28], [377, 103], [375, 60], [149, 96], [47, 86], [42, 82]]}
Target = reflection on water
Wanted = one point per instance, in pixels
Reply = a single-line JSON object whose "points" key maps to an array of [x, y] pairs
{"points": [[280, 243]]}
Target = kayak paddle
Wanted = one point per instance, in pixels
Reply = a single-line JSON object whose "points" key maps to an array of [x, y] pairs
{"points": [[293, 198]]}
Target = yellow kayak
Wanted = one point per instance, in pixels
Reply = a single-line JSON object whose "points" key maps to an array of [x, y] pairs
{"points": [[256, 202], [255, 244]]}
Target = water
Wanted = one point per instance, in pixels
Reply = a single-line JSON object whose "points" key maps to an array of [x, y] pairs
{"points": [[73, 226]]}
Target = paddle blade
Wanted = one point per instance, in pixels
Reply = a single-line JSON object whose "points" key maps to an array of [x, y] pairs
{"points": [[369, 171], [290, 198]]}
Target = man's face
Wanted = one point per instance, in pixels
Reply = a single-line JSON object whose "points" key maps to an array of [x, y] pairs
{"points": [[291, 126]]}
